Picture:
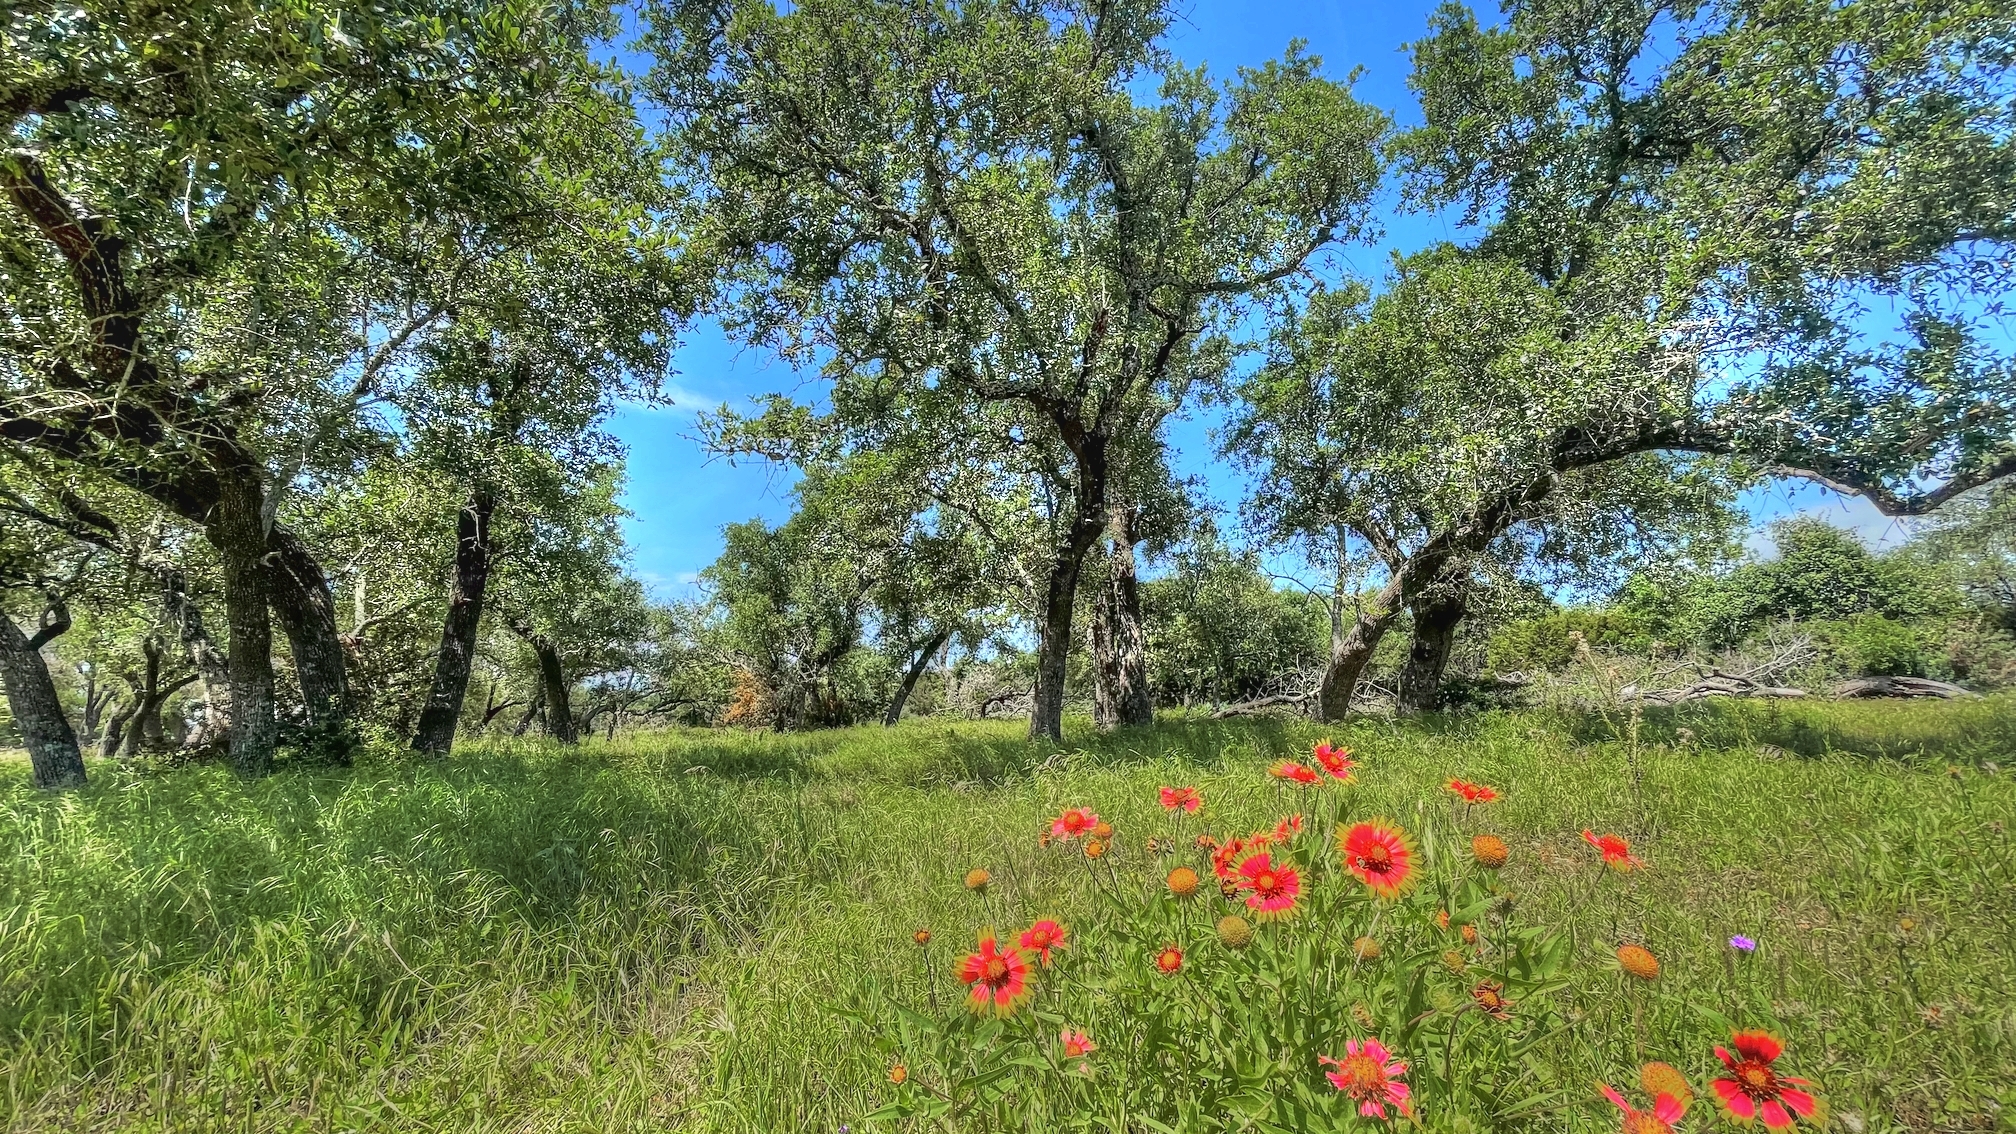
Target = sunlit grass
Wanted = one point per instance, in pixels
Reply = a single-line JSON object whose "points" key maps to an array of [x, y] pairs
{"points": [[649, 935]]}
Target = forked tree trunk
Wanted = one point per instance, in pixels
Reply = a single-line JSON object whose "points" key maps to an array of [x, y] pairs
{"points": [[1436, 616], [31, 697], [1352, 644], [237, 532], [914, 672], [452, 663], [1053, 645], [115, 729], [212, 667], [1119, 644]]}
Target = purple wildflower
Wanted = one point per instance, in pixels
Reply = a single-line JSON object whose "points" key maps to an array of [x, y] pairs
{"points": [[1741, 942]]}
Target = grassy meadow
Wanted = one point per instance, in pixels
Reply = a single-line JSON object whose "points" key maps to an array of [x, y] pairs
{"points": [[672, 932]]}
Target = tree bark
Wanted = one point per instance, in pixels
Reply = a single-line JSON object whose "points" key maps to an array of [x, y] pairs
{"points": [[1053, 647], [914, 672], [298, 591], [1119, 645], [115, 730], [553, 679], [237, 531], [31, 697], [212, 667], [1352, 646], [1436, 616], [532, 712], [457, 655], [144, 729]]}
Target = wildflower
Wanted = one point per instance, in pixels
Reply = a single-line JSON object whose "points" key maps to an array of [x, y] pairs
{"points": [[1366, 949], [1205, 842], [1370, 1076], [1489, 851], [921, 937], [1666, 1110], [1077, 1045], [1336, 761], [1000, 980], [1455, 962], [1441, 919], [1380, 855], [1742, 944], [1235, 932], [1181, 799], [977, 879], [1042, 937], [1665, 1079], [1160, 846], [1182, 882], [1170, 959], [1228, 888], [1473, 793], [1616, 851], [1363, 1015], [1075, 821], [1102, 830], [1754, 1089], [1274, 888], [1490, 1000], [1469, 934], [1094, 848], [898, 1073], [1638, 961], [1287, 828], [1295, 773]]}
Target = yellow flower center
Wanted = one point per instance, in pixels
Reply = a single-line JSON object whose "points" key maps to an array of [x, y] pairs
{"points": [[1362, 1075], [996, 969], [1264, 882]]}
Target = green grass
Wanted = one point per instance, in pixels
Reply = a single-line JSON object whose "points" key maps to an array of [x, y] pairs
{"points": [[649, 935]]}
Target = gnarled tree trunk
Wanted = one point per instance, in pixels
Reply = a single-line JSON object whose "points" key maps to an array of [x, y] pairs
{"points": [[302, 603], [1119, 644], [212, 667], [236, 530], [1436, 616], [912, 673], [1352, 646], [1053, 646], [31, 697], [436, 730]]}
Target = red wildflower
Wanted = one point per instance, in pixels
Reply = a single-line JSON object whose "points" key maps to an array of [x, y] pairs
{"points": [[1224, 854], [1297, 773], [1380, 855], [1274, 888], [1000, 980], [1336, 761], [1287, 828], [1170, 959], [1473, 793], [1077, 1045], [1180, 799], [1666, 1110], [1370, 1075], [1074, 822], [1754, 1089], [1042, 937], [1616, 851]]}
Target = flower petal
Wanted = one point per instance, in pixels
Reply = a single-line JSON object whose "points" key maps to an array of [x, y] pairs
{"points": [[1774, 1116], [1757, 1045], [1667, 1109], [1610, 1093], [1802, 1104]]}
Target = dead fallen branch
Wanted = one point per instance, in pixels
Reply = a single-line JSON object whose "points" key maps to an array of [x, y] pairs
{"points": [[1260, 705], [1717, 685], [1896, 687]]}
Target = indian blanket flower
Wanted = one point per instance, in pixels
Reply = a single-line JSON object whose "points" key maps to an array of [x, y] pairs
{"points": [[1666, 1110], [1616, 851], [1370, 1076], [1365, 948], [1075, 821], [1102, 830], [1638, 961], [1743, 944], [1755, 1090], [1489, 996], [1182, 882], [1234, 932], [999, 980], [1294, 773], [1094, 848], [1287, 828], [1042, 937], [1170, 959], [1273, 889], [1181, 799], [1490, 851], [1336, 761], [898, 1073], [1665, 1079], [921, 937], [1077, 1045], [977, 879], [1473, 793], [1380, 855]]}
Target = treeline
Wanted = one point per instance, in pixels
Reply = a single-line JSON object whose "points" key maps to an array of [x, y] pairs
{"points": [[313, 318]]}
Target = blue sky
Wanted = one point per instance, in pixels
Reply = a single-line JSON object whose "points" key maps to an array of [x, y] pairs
{"points": [[680, 498]]}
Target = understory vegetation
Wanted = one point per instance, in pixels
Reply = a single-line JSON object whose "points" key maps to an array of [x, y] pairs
{"points": [[713, 931]]}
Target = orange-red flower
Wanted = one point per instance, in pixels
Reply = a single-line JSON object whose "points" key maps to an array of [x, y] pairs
{"points": [[1616, 851], [1666, 1110], [1295, 773], [1224, 854], [1489, 996], [1287, 828], [1042, 937], [1473, 793], [1380, 855], [1181, 799], [1075, 821], [1170, 959], [1077, 1045], [999, 980], [1273, 888], [1182, 882], [1336, 761], [1370, 1076], [1755, 1090]]}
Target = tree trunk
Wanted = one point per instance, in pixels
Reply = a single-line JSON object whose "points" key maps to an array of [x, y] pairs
{"points": [[1436, 616], [306, 610], [31, 697], [145, 726], [436, 730], [913, 673], [212, 667], [532, 712], [1118, 643], [553, 691], [115, 730], [1351, 648], [237, 532], [1053, 647]]}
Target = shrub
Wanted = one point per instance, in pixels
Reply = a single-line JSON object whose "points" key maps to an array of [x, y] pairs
{"points": [[1548, 642], [1870, 645]]}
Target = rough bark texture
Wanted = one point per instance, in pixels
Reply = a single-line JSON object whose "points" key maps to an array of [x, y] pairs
{"points": [[237, 532], [1053, 646], [436, 730], [553, 681], [115, 730], [1352, 646], [1118, 642], [914, 672], [302, 603], [31, 697], [1436, 616], [212, 667]]}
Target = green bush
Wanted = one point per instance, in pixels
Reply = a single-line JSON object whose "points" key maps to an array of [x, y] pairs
{"points": [[1870, 645], [1548, 642]]}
